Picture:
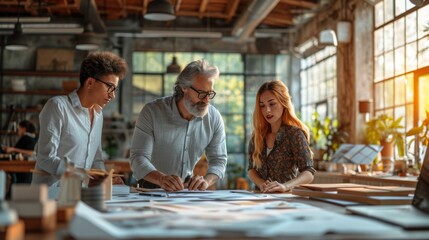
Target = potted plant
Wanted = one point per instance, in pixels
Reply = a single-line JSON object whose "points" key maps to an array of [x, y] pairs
{"points": [[422, 131], [334, 135], [233, 172], [326, 137], [317, 137], [421, 134], [384, 130]]}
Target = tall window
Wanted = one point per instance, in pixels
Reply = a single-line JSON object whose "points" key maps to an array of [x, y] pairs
{"points": [[319, 84], [401, 47]]}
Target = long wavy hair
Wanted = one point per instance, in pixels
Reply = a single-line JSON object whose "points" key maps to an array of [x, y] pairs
{"points": [[261, 126]]}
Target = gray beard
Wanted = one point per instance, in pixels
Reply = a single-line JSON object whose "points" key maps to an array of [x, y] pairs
{"points": [[198, 109]]}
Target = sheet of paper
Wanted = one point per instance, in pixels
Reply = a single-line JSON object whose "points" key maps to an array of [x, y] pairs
{"points": [[90, 224]]}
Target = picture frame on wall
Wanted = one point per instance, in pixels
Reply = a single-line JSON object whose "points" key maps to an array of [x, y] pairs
{"points": [[54, 59]]}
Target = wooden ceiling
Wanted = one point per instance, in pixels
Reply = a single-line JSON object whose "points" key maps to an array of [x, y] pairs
{"points": [[282, 15]]}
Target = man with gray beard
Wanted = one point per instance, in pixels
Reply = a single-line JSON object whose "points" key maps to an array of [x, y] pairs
{"points": [[172, 133]]}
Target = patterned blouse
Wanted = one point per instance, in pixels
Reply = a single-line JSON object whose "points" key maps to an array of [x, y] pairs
{"points": [[290, 153]]}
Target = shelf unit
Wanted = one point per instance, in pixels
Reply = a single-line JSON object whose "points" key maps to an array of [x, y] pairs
{"points": [[21, 110], [26, 73], [34, 92], [29, 97]]}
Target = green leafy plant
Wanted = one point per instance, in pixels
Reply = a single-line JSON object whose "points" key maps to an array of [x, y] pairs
{"points": [[326, 135], [233, 171], [421, 131], [385, 129], [422, 134], [316, 131], [335, 136], [111, 147]]}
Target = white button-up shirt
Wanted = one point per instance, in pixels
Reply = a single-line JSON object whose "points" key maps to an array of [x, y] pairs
{"points": [[66, 132]]}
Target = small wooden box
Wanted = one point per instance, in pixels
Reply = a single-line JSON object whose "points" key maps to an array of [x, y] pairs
{"points": [[40, 224], [70, 85], [64, 214], [13, 232]]}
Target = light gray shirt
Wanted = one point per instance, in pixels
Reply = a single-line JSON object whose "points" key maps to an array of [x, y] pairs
{"points": [[66, 132], [166, 142]]}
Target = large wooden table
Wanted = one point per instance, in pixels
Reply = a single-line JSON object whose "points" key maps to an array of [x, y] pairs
{"points": [[233, 232], [120, 166]]}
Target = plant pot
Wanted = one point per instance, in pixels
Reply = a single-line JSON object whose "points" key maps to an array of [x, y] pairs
{"points": [[318, 154], [400, 168], [331, 167], [387, 157], [388, 149]]}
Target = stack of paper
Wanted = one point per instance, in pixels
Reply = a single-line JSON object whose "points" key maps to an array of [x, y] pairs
{"points": [[391, 195], [377, 191]]}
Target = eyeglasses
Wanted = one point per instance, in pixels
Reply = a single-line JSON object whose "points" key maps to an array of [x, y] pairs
{"points": [[202, 94], [110, 87]]}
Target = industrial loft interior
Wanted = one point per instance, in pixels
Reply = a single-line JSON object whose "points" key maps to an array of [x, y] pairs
{"points": [[251, 41], [356, 73], [334, 56]]}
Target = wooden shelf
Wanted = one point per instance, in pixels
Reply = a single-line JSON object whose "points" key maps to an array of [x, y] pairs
{"points": [[6, 132], [35, 92], [21, 110], [28, 166], [26, 73]]}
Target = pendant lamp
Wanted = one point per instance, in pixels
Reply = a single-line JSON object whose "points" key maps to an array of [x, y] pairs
{"points": [[17, 42], [87, 40], [174, 67], [160, 10]]}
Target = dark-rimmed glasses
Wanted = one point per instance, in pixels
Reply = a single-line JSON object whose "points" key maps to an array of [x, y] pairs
{"points": [[202, 94], [110, 87]]}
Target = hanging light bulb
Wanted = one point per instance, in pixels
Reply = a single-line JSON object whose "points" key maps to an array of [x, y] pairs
{"points": [[174, 67]]}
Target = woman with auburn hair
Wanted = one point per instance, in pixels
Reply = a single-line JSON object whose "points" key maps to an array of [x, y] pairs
{"points": [[279, 152]]}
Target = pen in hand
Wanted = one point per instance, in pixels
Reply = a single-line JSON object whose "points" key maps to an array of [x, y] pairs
{"points": [[187, 181]]}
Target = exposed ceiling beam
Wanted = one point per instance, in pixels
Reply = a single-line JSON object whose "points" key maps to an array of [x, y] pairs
{"points": [[300, 3], [197, 14], [251, 18], [203, 8], [92, 15], [232, 9], [145, 3], [178, 5], [279, 19]]}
